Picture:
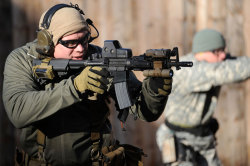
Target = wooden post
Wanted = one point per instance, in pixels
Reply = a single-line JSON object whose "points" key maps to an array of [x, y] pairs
{"points": [[246, 13], [201, 14]]}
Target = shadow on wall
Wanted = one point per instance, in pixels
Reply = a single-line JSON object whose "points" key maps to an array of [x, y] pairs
{"points": [[14, 23], [7, 138]]}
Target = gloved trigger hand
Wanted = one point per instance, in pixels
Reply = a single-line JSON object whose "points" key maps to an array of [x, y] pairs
{"points": [[161, 85], [93, 79]]}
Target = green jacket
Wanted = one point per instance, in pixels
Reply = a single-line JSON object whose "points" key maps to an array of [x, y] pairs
{"points": [[60, 113]]}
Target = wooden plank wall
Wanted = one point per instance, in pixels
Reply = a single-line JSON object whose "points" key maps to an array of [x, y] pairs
{"points": [[145, 24]]}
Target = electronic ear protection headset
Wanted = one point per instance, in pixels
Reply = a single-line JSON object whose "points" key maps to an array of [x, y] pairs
{"points": [[45, 43]]}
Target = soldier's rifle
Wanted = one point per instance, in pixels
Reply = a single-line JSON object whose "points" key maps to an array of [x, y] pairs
{"points": [[119, 62]]}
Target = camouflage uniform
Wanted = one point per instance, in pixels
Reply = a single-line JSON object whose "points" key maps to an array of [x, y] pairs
{"points": [[191, 105], [61, 113]]}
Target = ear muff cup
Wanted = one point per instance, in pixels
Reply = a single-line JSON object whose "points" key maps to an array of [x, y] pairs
{"points": [[44, 42]]}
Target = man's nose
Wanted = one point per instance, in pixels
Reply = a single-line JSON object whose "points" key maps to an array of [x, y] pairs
{"points": [[80, 47]]}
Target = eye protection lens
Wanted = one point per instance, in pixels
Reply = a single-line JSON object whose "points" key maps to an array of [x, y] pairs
{"points": [[74, 43], [218, 50]]}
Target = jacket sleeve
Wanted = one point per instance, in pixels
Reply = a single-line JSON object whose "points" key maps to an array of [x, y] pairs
{"points": [[202, 76], [24, 102], [149, 106]]}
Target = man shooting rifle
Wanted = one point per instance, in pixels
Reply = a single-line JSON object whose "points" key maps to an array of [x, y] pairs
{"points": [[59, 123]]}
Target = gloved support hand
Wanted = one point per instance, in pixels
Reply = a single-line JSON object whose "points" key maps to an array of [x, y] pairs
{"points": [[161, 85], [93, 79]]}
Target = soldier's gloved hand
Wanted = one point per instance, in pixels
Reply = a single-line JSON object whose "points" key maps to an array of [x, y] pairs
{"points": [[93, 79], [161, 85]]}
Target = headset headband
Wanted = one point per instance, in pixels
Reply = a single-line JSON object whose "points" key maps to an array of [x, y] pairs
{"points": [[49, 14]]}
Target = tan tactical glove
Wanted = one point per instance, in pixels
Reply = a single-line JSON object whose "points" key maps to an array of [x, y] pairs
{"points": [[93, 79], [161, 85]]}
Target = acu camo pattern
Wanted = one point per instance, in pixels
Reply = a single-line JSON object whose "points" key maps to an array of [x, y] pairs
{"points": [[193, 101], [195, 86]]}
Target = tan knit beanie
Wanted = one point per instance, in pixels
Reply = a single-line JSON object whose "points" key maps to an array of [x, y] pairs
{"points": [[64, 22]]}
